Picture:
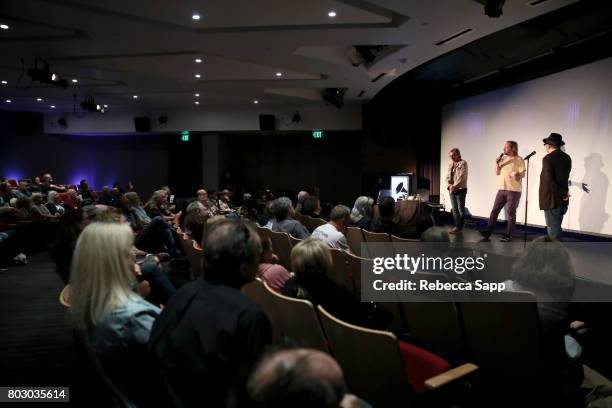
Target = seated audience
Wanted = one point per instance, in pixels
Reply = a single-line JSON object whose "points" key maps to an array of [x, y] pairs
{"points": [[210, 334], [194, 220], [152, 234], [384, 222], [274, 274], [88, 197], [109, 198], [332, 233], [224, 201], [301, 197], [311, 262], [311, 207], [282, 210], [361, 214], [209, 206], [39, 211], [47, 185], [299, 378], [53, 203], [71, 200], [156, 206], [35, 185], [115, 320]]}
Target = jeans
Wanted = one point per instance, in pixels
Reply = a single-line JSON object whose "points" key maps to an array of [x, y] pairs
{"points": [[458, 202], [157, 236], [554, 218], [503, 197]]}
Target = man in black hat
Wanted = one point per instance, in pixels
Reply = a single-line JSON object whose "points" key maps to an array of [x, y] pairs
{"points": [[554, 196]]}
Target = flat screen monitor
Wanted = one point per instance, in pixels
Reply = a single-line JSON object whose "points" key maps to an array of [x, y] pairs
{"points": [[400, 186]]}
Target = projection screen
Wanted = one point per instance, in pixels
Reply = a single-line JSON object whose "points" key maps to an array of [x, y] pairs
{"points": [[575, 103]]}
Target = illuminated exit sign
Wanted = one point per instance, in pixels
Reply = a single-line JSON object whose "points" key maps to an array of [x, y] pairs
{"points": [[317, 134], [185, 136]]}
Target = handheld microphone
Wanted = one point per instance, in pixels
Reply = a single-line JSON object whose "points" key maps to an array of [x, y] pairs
{"points": [[529, 155], [499, 158]]}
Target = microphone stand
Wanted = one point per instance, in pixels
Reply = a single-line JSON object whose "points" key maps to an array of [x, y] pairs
{"points": [[526, 203]]}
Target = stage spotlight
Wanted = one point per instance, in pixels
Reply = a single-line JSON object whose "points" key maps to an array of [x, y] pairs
{"points": [[45, 75]]}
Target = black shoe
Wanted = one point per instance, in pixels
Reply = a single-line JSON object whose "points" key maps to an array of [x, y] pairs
{"points": [[485, 233], [506, 238]]}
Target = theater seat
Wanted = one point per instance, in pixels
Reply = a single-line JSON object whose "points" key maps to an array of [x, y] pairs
{"points": [[380, 369]]}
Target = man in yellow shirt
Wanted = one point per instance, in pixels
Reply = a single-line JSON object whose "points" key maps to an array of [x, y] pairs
{"points": [[510, 170]]}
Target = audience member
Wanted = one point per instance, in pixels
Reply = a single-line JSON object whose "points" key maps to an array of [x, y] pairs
{"points": [[71, 200], [156, 206], [53, 203], [115, 320], [210, 334], [283, 211], [311, 207], [301, 197], [361, 214], [311, 262], [39, 211], [109, 198], [299, 378], [88, 197], [384, 222], [332, 233], [274, 274]]}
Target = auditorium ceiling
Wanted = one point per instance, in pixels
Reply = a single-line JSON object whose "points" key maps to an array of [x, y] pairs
{"points": [[157, 54]]}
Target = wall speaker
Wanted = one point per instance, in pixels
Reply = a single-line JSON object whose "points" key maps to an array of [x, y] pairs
{"points": [[267, 122], [142, 124]]}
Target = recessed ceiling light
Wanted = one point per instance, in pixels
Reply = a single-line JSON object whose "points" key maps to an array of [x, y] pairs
{"points": [[255, 101], [106, 106], [197, 95], [332, 14], [8, 101], [39, 99], [198, 75], [4, 26], [4, 82], [74, 81], [197, 102], [198, 60], [279, 74], [135, 96], [195, 16], [52, 106]]}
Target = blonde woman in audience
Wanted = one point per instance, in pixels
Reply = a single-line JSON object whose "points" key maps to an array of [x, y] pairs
{"points": [[105, 305], [311, 262]]}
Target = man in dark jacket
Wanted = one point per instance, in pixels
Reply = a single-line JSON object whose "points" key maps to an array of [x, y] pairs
{"points": [[210, 334], [554, 179]]}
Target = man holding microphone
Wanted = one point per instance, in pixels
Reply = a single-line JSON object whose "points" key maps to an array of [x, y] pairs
{"points": [[510, 170]]}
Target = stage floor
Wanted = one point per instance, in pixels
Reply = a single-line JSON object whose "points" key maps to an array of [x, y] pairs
{"points": [[591, 259]]}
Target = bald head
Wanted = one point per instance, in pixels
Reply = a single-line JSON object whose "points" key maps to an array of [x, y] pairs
{"points": [[298, 378]]}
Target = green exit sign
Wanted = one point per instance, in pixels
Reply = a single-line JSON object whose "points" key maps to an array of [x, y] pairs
{"points": [[185, 136], [317, 134]]}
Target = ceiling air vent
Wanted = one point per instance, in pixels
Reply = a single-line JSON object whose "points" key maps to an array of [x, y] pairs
{"points": [[536, 3], [454, 36], [378, 77]]}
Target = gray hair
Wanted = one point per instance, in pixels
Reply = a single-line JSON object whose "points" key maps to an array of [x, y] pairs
{"points": [[339, 213], [281, 207], [362, 207], [51, 196]]}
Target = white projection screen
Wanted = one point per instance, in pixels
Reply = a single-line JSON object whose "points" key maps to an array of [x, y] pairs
{"points": [[576, 103]]}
